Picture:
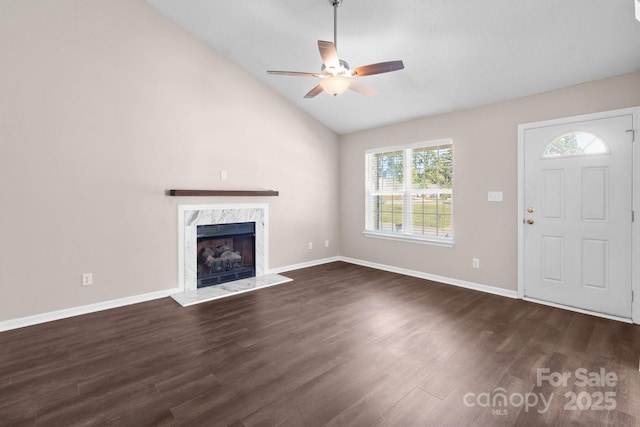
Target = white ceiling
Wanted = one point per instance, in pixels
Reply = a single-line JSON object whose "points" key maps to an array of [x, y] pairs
{"points": [[457, 53]]}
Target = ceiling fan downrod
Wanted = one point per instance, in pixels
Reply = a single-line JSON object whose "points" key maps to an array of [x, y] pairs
{"points": [[335, 4]]}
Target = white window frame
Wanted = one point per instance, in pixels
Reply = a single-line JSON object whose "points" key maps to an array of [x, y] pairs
{"points": [[406, 234]]}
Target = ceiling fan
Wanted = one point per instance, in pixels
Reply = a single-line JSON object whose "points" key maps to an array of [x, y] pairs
{"points": [[335, 73]]}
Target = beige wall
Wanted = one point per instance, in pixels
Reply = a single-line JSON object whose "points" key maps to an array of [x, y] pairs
{"points": [[485, 150], [105, 105]]}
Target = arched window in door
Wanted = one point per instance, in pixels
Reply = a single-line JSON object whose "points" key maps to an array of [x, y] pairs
{"points": [[575, 144]]}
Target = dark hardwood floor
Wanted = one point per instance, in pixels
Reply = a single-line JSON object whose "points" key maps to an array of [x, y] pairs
{"points": [[341, 345]]}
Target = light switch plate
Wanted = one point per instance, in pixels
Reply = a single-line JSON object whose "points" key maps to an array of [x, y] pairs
{"points": [[494, 196]]}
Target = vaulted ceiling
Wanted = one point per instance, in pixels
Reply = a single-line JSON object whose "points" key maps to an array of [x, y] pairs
{"points": [[457, 53]]}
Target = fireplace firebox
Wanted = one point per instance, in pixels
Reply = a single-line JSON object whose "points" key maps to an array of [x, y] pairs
{"points": [[226, 252]]}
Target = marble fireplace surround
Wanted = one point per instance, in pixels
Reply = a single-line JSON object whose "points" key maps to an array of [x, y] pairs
{"points": [[189, 218]]}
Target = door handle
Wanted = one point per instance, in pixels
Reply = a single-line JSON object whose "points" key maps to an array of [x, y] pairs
{"points": [[530, 221]]}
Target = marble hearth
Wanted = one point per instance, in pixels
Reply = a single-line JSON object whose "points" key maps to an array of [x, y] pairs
{"points": [[190, 217]]}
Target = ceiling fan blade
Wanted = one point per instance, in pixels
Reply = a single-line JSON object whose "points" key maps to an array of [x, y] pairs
{"points": [[293, 73], [329, 54], [362, 89], [313, 92], [381, 67]]}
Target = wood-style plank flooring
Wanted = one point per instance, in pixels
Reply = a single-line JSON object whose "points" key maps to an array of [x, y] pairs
{"points": [[341, 345]]}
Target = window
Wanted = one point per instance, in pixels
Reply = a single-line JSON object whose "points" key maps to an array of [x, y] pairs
{"points": [[409, 192], [575, 144]]}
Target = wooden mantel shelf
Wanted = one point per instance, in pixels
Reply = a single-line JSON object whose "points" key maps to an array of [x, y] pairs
{"points": [[236, 193]]}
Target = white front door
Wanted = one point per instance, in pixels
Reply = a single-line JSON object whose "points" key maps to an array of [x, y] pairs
{"points": [[578, 214]]}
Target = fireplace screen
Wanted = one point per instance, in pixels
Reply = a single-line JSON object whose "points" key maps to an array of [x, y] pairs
{"points": [[226, 252]]}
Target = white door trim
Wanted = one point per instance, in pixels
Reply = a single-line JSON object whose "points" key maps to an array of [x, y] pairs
{"points": [[635, 256]]}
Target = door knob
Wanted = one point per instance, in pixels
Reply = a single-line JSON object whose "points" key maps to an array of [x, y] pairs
{"points": [[530, 221], [530, 209]]}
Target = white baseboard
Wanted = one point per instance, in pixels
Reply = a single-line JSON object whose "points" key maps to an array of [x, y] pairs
{"points": [[7, 325], [91, 308], [446, 280], [279, 270], [22, 322]]}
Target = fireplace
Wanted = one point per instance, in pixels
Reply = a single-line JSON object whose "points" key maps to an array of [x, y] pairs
{"points": [[226, 252], [226, 219], [205, 233]]}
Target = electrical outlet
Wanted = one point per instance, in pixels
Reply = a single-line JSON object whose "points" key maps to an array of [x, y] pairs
{"points": [[223, 175], [310, 245], [326, 243], [87, 279], [476, 263]]}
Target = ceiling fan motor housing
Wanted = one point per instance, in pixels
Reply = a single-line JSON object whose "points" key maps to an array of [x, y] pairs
{"points": [[342, 70]]}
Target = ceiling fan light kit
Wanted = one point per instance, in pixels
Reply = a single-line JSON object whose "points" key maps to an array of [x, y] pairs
{"points": [[335, 73], [335, 85]]}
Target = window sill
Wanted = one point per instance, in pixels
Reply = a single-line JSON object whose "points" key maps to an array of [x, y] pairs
{"points": [[409, 238]]}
